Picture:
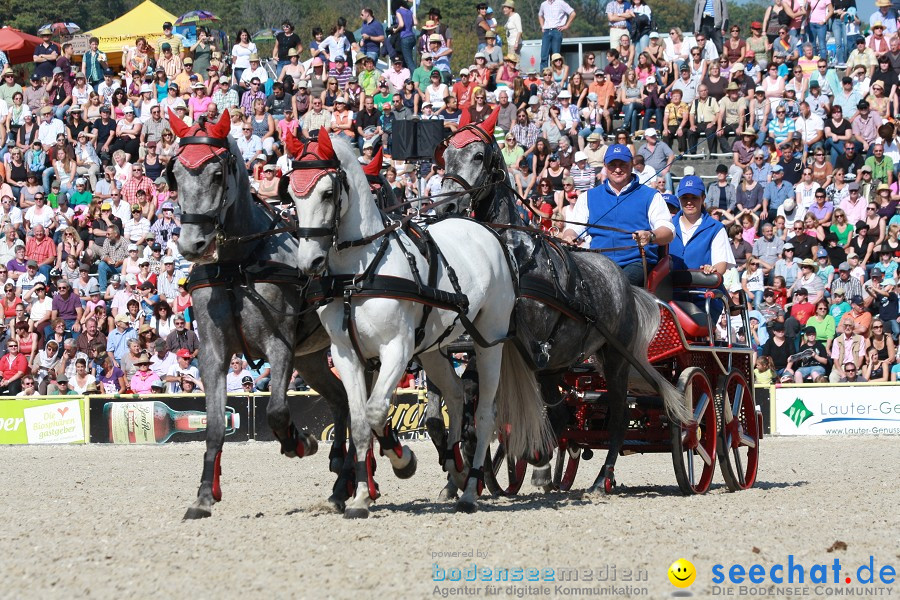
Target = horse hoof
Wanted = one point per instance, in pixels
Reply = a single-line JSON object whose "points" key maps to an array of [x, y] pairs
{"points": [[356, 513], [310, 444], [195, 512], [604, 487], [541, 477], [338, 504], [447, 495], [464, 506], [410, 469]]}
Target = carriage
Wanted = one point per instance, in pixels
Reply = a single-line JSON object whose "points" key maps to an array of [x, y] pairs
{"points": [[714, 377]]}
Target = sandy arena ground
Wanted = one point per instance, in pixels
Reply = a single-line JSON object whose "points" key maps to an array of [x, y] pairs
{"points": [[105, 522]]}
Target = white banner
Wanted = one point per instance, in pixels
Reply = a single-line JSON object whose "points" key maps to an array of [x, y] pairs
{"points": [[838, 410], [58, 423]]}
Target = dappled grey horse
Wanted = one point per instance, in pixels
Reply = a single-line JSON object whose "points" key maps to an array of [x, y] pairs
{"points": [[572, 304], [248, 298]]}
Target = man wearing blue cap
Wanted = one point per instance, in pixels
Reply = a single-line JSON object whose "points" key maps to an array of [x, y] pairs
{"points": [[624, 203]]}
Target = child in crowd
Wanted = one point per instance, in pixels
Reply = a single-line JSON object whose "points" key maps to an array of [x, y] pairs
{"points": [[764, 371]]}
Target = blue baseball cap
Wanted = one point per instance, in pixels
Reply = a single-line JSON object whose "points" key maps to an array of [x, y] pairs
{"points": [[691, 185], [672, 200], [617, 152]]}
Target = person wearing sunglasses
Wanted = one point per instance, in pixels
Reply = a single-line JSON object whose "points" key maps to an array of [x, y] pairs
{"points": [[13, 367]]}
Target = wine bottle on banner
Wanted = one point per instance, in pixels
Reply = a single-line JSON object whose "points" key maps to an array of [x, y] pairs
{"points": [[156, 423]]}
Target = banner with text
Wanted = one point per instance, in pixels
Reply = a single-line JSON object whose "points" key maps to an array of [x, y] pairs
{"points": [[837, 410], [163, 418], [56, 421]]}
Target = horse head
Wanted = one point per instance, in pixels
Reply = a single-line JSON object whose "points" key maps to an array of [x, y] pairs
{"points": [[473, 165], [317, 184], [207, 173]]}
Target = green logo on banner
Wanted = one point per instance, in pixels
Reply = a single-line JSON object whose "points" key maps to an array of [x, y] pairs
{"points": [[798, 412]]}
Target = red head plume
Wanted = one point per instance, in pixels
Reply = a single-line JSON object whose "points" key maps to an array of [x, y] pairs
{"points": [[325, 149], [221, 128], [294, 146], [374, 167], [178, 126], [465, 118], [488, 124]]}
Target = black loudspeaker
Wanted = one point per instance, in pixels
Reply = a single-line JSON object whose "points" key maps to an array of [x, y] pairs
{"points": [[416, 140]]}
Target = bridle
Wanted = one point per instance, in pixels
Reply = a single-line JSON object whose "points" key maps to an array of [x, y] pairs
{"points": [[492, 174], [339, 185], [216, 217]]}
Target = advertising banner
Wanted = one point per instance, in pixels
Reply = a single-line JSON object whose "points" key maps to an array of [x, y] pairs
{"points": [[311, 412], [46, 421], [837, 410], [163, 418]]}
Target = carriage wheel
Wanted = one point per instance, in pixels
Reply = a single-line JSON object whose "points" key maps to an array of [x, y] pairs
{"points": [[495, 480], [694, 443], [739, 442], [567, 459]]}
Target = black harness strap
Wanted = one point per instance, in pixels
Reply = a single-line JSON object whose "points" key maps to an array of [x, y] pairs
{"points": [[229, 275]]}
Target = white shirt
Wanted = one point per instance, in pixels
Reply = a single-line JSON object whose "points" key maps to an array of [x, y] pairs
{"points": [[806, 194], [810, 126], [514, 29], [658, 214], [242, 55], [796, 215], [45, 217], [720, 250], [249, 74], [177, 371], [249, 148], [48, 131]]}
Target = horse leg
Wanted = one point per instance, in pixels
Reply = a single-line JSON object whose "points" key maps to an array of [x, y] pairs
{"points": [[315, 371], [542, 476], [441, 374], [212, 360], [353, 377], [394, 357], [615, 369], [489, 363], [294, 443]]}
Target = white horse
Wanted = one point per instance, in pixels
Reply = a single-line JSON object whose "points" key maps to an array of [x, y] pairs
{"points": [[334, 208]]}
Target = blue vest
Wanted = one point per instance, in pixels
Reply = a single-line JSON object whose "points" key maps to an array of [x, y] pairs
{"points": [[698, 251], [627, 211]]}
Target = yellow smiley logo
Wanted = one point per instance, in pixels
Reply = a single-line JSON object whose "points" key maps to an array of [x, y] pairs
{"points": [[682, 573]]}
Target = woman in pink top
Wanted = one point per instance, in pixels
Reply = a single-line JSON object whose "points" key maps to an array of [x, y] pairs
{"points": [[199, 101], [143, 379], [820, 12]]}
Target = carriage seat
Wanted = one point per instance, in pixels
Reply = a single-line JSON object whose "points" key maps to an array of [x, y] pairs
{"points": [[691, 316], [659, 281]]}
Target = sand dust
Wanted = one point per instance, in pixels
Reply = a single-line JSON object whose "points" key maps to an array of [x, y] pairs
{"points": [[103, 521]]}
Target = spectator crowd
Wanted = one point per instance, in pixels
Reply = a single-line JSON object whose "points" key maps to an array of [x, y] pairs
{"points": [[93, 282]]}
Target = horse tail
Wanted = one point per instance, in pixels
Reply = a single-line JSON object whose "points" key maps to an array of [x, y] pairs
{"points": [[648, 319], [520, 406]]}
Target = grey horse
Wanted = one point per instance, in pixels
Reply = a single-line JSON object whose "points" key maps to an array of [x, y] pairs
{"points": [[248, 298], [587, 308]]}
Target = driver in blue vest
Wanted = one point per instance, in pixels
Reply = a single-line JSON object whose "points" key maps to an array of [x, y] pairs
{"points": [[637, 212], [701, 241]]}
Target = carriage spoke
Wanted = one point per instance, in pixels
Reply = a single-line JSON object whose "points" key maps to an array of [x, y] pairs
{"points": [[690, 467], [740, 467], [746, 440], [704, 455], [738, 396], [701, 407]]}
